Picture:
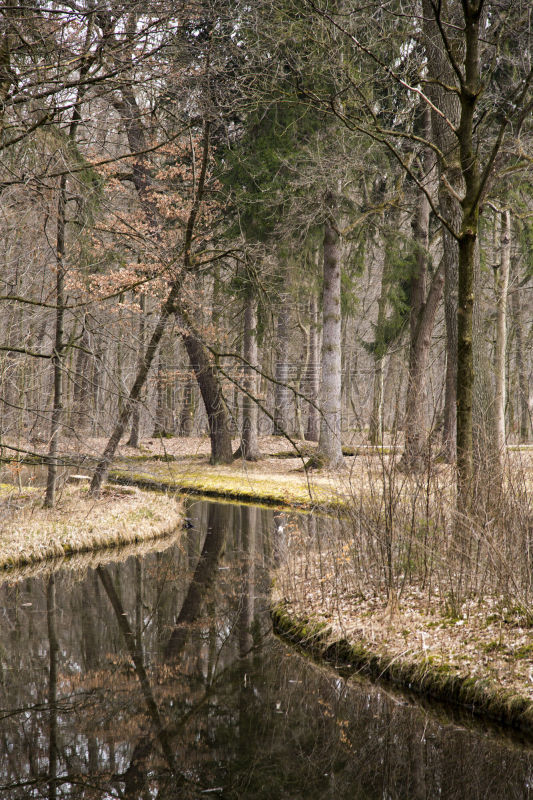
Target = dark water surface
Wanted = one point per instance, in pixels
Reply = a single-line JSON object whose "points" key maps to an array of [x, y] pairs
{"points": [[159, 678]]}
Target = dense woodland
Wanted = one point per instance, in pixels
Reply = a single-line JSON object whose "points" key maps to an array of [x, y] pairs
{"points": [[312, 219]]}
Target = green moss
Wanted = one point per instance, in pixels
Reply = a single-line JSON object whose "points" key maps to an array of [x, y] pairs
{"points": [[232, 487], [493, 647], [140, 514], [440, 681], [525, 651]]}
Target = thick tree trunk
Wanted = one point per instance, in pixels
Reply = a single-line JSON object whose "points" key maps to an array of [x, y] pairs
{"points": [[218, 418], [440, 70], [329, 442], [421, 321], [313, 376], [465, 368], [249, 448], [451, 212], [415, 428]]}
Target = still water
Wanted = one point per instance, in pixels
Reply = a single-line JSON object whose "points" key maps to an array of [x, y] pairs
{"points": [[159, 677]]}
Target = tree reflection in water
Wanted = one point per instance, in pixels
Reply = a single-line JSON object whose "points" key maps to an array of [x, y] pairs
{"points": [[158, 677]]}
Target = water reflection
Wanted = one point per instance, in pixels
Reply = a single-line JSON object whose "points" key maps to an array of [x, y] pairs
{"points": [[158, 677]]}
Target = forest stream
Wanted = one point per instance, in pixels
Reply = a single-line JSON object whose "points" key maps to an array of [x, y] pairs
{"points": [[159, 677]]}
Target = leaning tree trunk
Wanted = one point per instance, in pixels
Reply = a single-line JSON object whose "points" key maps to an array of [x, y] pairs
{"points": [[102, 467], [205, 372], [329, 442], [207, 376]]}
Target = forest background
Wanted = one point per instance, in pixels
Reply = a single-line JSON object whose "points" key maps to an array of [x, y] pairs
{"points": [[307, 219]]}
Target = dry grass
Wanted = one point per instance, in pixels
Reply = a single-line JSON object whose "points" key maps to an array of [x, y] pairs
{"points": [[79, 563], [29, 532], [401, 576]]}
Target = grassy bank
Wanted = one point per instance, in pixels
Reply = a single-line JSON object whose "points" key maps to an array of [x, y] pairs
{"points": [[30, 533], [444, 682], [293, 490]]}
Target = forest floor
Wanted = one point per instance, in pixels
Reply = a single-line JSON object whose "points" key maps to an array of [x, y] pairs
{"points": [[473, 645]]}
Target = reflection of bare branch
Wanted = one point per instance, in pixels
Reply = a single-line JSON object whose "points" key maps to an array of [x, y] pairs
{"points": [[136, 657]]}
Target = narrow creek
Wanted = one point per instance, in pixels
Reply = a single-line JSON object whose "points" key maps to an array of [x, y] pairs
{"points": [[159, 677]]}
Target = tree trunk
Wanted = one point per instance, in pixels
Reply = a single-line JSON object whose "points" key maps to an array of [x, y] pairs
{"points": [[415, 428], [523, 389], [465, 368], [281, 390], [501, 281], [218, 418], [313, 376], [329, 442], [451, 211], [249, 448], [133, 441], [440, 70], [187, 408], [163, 415], [421, 320], [81, 391], [57, 359], [375, 433]]}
